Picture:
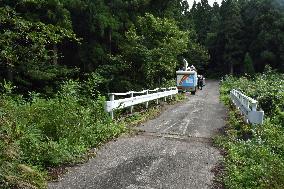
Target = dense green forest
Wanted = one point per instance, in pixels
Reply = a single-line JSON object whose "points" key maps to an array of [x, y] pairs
{"points": [[59, 59], [134, 44]]}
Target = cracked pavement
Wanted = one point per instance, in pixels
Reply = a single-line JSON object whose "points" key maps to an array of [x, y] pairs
{"points": [[173, 151]]}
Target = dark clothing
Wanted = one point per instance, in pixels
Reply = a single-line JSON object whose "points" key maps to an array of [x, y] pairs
{"points": [[200, 82]]}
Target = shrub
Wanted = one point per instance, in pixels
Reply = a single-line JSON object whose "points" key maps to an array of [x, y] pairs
{"points": [[42, 132], [255, 154]]}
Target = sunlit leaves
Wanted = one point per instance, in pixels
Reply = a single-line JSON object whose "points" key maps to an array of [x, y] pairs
{"points": [[154, 45]]}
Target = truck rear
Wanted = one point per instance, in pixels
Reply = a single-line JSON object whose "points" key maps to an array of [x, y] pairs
{"points": [[187, 81]]}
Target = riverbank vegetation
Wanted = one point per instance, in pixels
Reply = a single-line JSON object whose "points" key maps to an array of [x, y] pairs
{"points": [[255, 153]]}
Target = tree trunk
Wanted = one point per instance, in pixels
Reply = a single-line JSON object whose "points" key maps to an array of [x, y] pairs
{"points": [[10, 75], [55, 57], [110, 39], [232, 68]]}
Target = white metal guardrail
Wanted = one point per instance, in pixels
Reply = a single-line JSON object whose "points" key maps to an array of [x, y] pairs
{"points": [[147, 95], [247, 106]]}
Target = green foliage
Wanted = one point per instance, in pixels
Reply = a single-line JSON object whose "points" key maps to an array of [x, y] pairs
{"points": [[255, 154], [231, 24], [231, 29], [169, 83], [266, 88], [26, 50], [40, 49], [152, 48], [93, 84], [140, 117], [248, 65], [201, 13], [198, 56], [41, 132], [46, 11]]}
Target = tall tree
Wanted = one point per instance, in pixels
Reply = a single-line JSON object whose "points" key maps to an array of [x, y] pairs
{"points": [[152, 49], [231, 32], [248, 64], [268, 26], [212, 39], [201, 14], [27, 51]]}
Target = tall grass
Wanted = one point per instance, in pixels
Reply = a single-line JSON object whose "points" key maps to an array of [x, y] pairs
{"points": [[36, 133]]}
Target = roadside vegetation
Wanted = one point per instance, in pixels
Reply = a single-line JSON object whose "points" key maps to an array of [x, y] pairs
{"points": [[255, 153], [37, 133]]}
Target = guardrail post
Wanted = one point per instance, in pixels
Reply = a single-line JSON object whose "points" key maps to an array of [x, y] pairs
{"points": [[247, 107], [111, 98], [242, 103], [165, 98], [157, 100], [131, 108], [130, 102], [253, 106], [147, 103]]}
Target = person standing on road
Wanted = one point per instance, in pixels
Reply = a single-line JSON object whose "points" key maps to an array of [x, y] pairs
{"points": [[199, 82]]}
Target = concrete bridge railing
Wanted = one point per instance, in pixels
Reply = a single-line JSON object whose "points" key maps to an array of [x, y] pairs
{"points": [[144, 97], [247, 106]]}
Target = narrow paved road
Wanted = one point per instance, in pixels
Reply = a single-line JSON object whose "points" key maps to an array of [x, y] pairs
{"points": [[175, 151]]}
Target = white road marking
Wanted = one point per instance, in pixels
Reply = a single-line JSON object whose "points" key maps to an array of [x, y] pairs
{"points": [[185, 124], [164, 131], [174, 151], [182, 125], [165, 123], [185, 127], [197, 110]]}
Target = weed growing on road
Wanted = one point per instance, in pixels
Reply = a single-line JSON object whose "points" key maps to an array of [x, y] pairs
{"points": [[140, 117], [255, 154]]}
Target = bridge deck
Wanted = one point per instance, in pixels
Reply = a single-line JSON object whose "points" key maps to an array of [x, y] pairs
{"points": [[174, 151]]}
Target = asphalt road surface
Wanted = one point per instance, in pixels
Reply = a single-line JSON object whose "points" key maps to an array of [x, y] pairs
{"points": [[174, 151]]}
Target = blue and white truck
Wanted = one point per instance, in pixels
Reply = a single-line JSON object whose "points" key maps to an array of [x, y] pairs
{"points": [[187, 79]]}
